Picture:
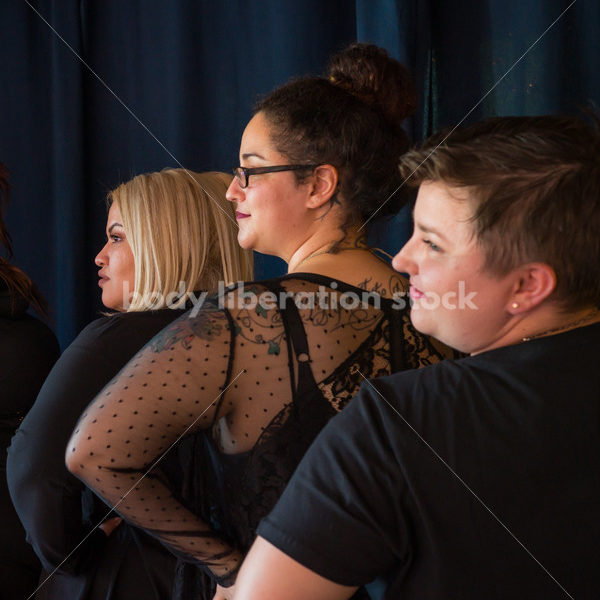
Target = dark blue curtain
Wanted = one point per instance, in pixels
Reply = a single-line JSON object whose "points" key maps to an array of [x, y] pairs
{"points": [[181, 77]]}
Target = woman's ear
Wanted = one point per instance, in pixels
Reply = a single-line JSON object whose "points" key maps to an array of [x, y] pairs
{"points": [[324, 185], [534, 282]]}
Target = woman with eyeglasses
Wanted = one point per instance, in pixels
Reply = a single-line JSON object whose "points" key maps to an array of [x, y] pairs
{"points": [[170, 238], [259, 372]]}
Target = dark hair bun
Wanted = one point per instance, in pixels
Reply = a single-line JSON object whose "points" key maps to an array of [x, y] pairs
{"points": [[352, 119], [367, 72]]}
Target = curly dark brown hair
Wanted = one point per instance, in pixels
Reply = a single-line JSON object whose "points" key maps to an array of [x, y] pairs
{"points": [[351, 119], [17, 282]]}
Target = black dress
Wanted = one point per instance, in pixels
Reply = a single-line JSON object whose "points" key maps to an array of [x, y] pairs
{"points": [[49, 499], [287, 370], [28, 349], [520, 427]]}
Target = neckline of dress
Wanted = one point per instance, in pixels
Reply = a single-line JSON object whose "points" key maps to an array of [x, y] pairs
{"points": [[325, 278]]}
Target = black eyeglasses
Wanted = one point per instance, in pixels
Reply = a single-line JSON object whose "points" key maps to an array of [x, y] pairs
{"points": [[242, 174]]}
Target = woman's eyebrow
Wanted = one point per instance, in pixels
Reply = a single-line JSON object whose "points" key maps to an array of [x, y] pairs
{"points": [[252, 155], [113, 225], [426, 229]]}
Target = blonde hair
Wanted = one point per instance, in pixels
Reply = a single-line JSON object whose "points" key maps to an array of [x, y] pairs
{"points": [[181, 229]]}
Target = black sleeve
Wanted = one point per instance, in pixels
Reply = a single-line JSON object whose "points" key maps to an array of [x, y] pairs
{"points": [[28, 350], [340, 515], [172, 388], [47, 497]]}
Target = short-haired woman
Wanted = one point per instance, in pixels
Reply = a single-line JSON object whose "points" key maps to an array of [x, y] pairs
{"points": [[170, 239], [476, 478], [267, 366]]}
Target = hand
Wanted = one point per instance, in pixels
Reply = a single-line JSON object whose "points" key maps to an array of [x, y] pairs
{"points": [[110, 525], [224, 593]]}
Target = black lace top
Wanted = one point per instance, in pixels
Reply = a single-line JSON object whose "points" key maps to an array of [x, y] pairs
{"points": [[261, 380]]}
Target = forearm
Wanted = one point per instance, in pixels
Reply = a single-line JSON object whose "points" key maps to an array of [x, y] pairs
{"points": [[144, 500], [137, 418], [48, 501]]}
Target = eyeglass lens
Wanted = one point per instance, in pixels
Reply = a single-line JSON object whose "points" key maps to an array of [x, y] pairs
{"points": [[240, 175]]}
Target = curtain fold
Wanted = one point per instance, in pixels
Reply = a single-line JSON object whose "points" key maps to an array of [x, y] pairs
{"points": [[191, 70]]}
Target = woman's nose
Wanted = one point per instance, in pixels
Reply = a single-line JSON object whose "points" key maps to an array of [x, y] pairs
{"points": [[234, 192], [101, 258], [403, 261]]}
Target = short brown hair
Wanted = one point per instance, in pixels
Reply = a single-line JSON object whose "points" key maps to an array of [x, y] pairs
{"points": [[535, 186]]}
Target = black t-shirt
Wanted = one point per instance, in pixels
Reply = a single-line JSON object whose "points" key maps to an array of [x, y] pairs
{"points": [[383, 491]]}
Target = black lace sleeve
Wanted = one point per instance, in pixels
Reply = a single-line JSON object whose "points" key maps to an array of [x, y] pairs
{"points": [[173, 387]]}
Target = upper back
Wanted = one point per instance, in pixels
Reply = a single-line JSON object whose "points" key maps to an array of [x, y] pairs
{"points": [[311, 336]]}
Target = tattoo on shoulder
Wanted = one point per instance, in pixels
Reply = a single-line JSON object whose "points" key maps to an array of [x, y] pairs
{"points": [[396, 285], [364, 285], [208, 324], [260, 325], [170, 336]]}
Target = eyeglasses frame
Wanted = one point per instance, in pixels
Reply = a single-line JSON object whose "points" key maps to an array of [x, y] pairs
{"points": [[247, 171]]}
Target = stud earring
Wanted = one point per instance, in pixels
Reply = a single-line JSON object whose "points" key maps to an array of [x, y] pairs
{"points": [[515, 305]]}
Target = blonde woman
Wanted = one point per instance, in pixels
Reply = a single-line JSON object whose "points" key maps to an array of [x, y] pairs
{"points": [[182, 239], [171, 238]]}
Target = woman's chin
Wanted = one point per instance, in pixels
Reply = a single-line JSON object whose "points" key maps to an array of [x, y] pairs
{"points": [[115, 308], [251, 243], [244, 241], [111, 304]]}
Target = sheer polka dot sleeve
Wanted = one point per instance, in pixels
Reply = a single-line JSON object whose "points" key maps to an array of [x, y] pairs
{"points": [[263, 368], [173, 387]]}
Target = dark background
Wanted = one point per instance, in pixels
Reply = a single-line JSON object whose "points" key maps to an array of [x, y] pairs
{"points": [[190, 71]]}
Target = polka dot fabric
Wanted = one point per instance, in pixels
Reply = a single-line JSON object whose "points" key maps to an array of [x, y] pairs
{"points": [[238, 373]]}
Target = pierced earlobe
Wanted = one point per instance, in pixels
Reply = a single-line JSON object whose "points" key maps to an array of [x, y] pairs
{"points": [[514, 305]]}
